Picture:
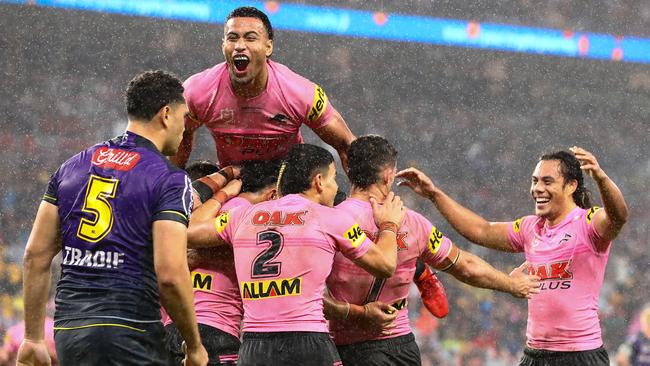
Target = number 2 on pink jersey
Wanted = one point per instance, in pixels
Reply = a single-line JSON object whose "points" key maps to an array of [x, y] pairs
{"points": [[262, 265]]}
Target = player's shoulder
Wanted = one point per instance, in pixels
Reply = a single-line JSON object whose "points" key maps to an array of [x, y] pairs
{"points": [[288, 78], [524, 223], [204, 78]]}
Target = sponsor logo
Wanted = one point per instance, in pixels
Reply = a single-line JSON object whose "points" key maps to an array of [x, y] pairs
{"points": [[566, 238], [107, 158], [280, 118], [553, 275], [278, 218], [256, 290], [201, 281], [320, 102], [355, 235], [516, 226], [95, 259], [590, 214], [435, 239], [222, 221]]}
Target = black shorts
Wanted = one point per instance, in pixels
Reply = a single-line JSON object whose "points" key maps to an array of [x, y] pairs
{"points": [[538, 357], [108, 342], [400, 351], [288, 348], [222, 347]]}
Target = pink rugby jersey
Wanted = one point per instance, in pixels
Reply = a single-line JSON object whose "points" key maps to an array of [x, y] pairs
{"points": [[216, 295], [564, 316], [284, 251], [261, 128], [416, 238]]}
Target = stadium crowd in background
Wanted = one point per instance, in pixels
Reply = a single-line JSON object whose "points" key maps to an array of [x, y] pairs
{"points": [[483, 114]]}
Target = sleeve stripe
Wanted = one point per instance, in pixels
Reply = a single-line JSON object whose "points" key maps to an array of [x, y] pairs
{"points": [[175, 212], [48, 197]]}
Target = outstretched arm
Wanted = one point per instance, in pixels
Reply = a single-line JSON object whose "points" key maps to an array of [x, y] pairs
{"points": [[610, 221], [493, 235]]}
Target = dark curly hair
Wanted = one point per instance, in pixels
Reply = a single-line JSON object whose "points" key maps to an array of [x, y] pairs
{"points": [[252, 12], [570, 170], [150, 91], [367, 157], [302, 163], [257, 175]]}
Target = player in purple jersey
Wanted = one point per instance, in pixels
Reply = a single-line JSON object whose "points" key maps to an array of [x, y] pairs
{"points": [[566, 243], [118, 213], [359, 296], [283, 253], [636, 349]]}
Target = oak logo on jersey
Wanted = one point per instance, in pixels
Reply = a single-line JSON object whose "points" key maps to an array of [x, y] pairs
{"points": [[553, 275], [516, 226], [435, 239], [402, 244], [108, 158], [222, 221], [256, 290], [279, 218], [355, 235], [201, 281], [320, 102], [590, 214]]}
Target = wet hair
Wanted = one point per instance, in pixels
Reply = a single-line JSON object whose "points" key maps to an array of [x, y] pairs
{"points": [[252, 12], [570, 170], [150, 91], [367, 157], [257, 175], [200, 168], [300, 166]]}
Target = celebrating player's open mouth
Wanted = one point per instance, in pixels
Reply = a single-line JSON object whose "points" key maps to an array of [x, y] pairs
{"points": [[241, 64]]}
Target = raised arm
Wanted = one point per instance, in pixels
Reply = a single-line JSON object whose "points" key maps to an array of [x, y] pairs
{"points": [[493, 235], [202, 231], [609, 221], [42, 246], [337, 134], [185, 148], [176, 296]]}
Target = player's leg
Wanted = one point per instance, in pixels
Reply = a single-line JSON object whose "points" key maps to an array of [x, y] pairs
{"points": [[431, 290]]}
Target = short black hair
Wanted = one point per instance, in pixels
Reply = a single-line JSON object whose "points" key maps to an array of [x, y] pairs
{"points": [[252, 12], [570, 170], [257, 175], [367, 157], [150, 91], [302, 163], [200, 168]]}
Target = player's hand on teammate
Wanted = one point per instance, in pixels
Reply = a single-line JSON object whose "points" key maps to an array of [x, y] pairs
{"points": [[417, 181], [232, 188], [524, 285], [588, 162], [379, 318], [33, 353], [196, 356], [391, 210]]}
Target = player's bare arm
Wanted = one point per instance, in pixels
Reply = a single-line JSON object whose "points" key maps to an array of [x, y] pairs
{"points": [[609, 221], [206, 187], [176, 296], [493, 235], [337, 134], [42, 246], [201, 232], [375, 317], [185, 148], [381, 258], [474, 271]]}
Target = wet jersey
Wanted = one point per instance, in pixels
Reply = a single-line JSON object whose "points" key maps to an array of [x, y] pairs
{"points": [[217, 302], [261, 128], [284, 251], [564, 316], [108, 197], [416, 238]]}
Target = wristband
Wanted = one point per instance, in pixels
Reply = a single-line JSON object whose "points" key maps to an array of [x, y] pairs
{"points": [[357, 312], [203, 189], [388, 226], [227, 173], [220, 197]]}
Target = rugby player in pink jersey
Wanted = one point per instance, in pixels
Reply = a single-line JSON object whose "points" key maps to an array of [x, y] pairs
{"points": [[566, 243], [372, 168], [284, 251], [253, 106], [217, 301]]}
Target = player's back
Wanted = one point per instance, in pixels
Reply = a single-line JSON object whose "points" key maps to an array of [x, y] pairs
{"points": [[108, 197], [348, 282], [283, 253]]}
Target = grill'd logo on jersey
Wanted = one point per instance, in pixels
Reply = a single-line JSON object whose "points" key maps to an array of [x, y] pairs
{"points": [[222, 221], [590, 214], [278, 218], [107, 158], [355, 235], [320, 101], [435, 239], [201, 281], [553, 275], [401, 239], [256, 290]]}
